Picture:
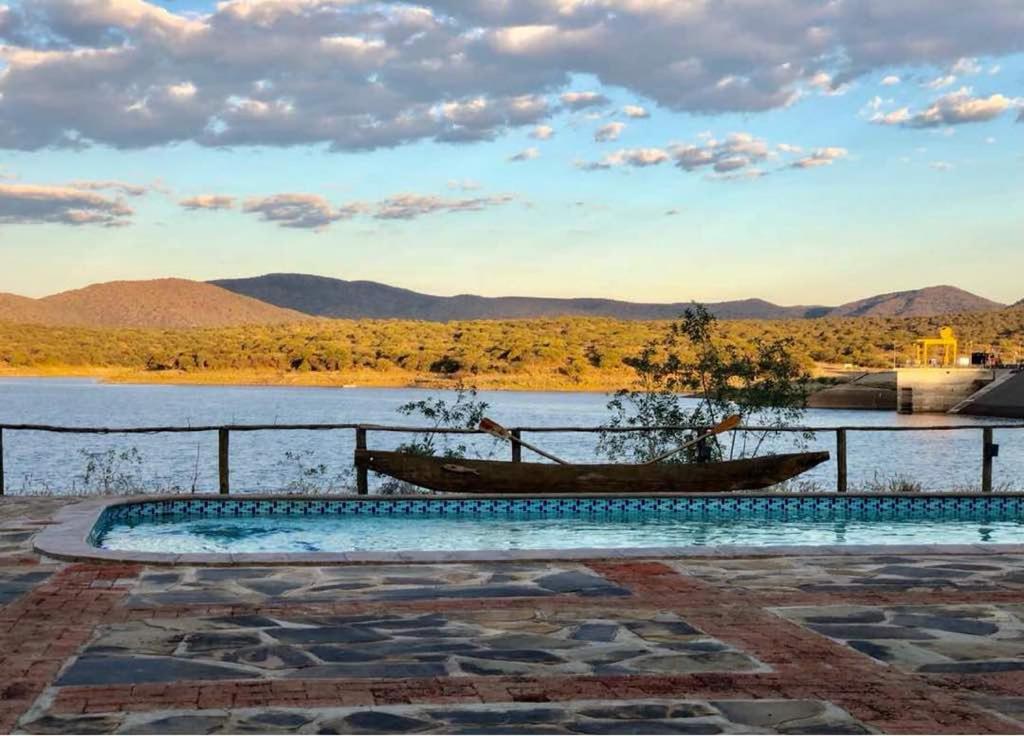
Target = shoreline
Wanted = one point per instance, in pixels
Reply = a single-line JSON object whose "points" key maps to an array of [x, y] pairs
{"points": [[303, 380], [349, 380]]}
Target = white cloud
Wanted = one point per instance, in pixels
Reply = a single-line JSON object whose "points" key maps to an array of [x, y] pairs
{"points": [[410, 206], [609, 132], [314, 212], [302, 211], [635, 157], [954, 108], [820, 157], [542, 132], [939, 82], [890, 80], [130, 190], [208, 202], [966, 66], [636, 111], [737, 156], [527, 154], [359, 75], [941, 165], [827, 85], [30, 204], [583, 100]]}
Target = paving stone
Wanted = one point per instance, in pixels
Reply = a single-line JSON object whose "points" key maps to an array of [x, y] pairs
{"points": [[481, 591], [246, 622], [345, 634], [79, 724], [118, 670], [519, 655], [909, 571], [271, 587], [272, 657], [277, 721], [596, 632], [768, 713], [381, 722], [232, 573], [572, 581], [972, 668], [531, 641], [874, 650], [383, 670], [499, 717], [869, 616], [868, 631], [643, 727], [183, 724], [646, 711], [160, 578], [946, 623], [204, 642], [825, 728], [662, 629]]}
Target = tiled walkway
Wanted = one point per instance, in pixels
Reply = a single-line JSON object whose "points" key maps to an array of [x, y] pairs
{"points": [[909, 644]]}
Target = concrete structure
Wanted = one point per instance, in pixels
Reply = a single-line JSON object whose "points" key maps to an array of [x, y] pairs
{"points": [[940, 389], [1004, 397]]}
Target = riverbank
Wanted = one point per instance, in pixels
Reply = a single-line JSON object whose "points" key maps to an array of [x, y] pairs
{"points": [[608, 382], [340, 379]]}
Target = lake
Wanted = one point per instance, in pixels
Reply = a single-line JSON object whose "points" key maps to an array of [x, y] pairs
{"points": [[37, 462]]}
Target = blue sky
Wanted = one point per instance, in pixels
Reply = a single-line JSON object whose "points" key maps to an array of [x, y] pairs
{"points": [[796, 170]]}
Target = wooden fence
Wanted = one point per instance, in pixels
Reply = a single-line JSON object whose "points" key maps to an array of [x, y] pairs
{"points": [[989, 449]]}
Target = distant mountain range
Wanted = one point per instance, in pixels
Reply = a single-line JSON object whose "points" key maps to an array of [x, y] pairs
{"points": [[160, 303], [928, 302], [281, 298], [329, 297]]}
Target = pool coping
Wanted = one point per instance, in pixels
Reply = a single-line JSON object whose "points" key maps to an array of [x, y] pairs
{"points": [[66, 538]]}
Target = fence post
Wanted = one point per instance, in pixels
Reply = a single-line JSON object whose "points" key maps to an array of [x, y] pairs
{"points": [[223, 466], [841, 460], [1, 462], [989, 450], [362, 479], [517, 449]]}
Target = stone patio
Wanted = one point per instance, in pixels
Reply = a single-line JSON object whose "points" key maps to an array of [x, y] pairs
{"points": [[917, 643]]}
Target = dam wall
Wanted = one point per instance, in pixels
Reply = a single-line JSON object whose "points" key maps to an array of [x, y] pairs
{"points": [[1004, 398], [939, 389]]}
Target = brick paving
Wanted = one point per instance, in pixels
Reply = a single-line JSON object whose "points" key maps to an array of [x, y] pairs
{"points": [[909, 644]]}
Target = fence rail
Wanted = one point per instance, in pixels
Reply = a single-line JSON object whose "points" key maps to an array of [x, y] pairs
{"points": [[989, 449]]}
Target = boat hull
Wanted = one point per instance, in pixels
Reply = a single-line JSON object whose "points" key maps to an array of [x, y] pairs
{"points": [[490, 476]]}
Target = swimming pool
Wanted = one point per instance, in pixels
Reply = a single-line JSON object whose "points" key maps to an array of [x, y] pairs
{"points": [[316, 525]]}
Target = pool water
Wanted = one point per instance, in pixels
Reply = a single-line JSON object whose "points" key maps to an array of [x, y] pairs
{"points": [[450, 525]]}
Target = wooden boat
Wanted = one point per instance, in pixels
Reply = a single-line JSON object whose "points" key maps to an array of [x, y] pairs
{"points": [[489, 476]]}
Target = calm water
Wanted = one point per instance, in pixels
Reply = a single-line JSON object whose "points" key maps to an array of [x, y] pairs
{"points": [[685, 525], [275, 461]]}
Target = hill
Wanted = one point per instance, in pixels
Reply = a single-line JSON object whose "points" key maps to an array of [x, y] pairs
{"points": [[328, 297], [159, 303], [931, 301], [22, 309]]}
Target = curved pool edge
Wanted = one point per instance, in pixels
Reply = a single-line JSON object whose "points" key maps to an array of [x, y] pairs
{"points": [[67, 539]]}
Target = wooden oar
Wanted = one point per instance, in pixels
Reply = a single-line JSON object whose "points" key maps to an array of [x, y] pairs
{"points": [[493, 428], [730, 422]]}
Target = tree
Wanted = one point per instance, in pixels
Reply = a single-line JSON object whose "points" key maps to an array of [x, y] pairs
{"points": [[691, 377]]}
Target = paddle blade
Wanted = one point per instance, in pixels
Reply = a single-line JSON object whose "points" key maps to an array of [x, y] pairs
{"points": [[492, 427], [730, 422]]}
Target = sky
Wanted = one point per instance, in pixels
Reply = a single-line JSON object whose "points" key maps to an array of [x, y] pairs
{"points": [[801, 151]]}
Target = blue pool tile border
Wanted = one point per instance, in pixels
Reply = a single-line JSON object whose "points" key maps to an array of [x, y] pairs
{"points": [[820, 507], [71, 536]]}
